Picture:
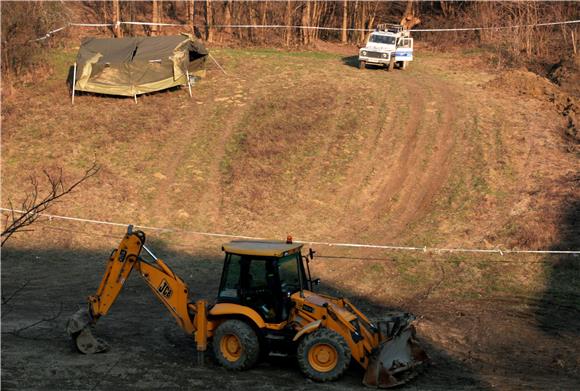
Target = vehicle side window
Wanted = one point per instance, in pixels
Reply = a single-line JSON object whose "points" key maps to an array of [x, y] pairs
{"points": [[257, 276], [232, 278], [288, 270]]}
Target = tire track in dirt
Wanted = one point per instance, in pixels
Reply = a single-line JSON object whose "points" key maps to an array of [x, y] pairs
{"points": [[418, 194], [370, 163], [400, 186], [386, 174]]}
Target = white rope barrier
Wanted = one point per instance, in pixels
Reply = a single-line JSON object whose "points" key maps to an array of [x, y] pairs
{"points": [[49, 34], [499, 27], [91, 24], [330, 244], [275, 26], [270, 26], [154, 24]]}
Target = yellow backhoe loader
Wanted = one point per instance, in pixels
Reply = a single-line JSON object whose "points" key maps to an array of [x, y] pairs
{"points": [[265, 305]]}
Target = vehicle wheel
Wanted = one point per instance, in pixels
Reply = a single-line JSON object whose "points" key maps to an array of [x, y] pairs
{"points": [[236, 345], [362, 64], [323, 355]]}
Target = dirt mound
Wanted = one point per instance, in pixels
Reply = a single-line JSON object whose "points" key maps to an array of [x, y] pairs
{"points": [[566, 74], [566, 103], [524, 83]]}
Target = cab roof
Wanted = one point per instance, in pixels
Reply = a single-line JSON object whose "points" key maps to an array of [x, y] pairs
{"points": [[261, 248]]}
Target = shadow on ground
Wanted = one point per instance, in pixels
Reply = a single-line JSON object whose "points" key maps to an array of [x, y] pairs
{"points": [[559, 308], [41, 288], [351, 61]]}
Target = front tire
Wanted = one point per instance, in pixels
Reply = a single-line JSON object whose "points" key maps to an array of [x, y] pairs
{"points": [[236, 345], [323, 355]]}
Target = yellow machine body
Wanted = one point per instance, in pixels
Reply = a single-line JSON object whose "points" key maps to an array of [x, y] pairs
{"points": [[323, 331]]}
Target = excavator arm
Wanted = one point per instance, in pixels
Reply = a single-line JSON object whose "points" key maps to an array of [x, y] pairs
{"points": [[171, 290]]}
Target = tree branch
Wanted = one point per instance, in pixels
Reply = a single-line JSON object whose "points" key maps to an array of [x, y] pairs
{"points": [[32, 206]]}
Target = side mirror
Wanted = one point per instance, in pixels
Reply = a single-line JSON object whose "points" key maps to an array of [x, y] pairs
{"points": [[311, 253], [316, 281]]}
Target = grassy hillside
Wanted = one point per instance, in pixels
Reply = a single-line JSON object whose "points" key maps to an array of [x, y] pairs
{"points": [[305, 143]]}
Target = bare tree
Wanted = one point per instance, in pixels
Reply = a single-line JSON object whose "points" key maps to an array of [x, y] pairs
{"points": [[410, 19], [34, 203]]}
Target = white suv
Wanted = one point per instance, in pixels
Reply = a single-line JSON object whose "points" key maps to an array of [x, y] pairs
{"points": [[388, 47]]}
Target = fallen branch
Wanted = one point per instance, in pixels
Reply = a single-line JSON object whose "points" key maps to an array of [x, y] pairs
{"points": [[7, 300], [16, 332]]}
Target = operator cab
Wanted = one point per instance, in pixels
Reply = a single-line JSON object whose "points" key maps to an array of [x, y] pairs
{"points": [[262, 275]]}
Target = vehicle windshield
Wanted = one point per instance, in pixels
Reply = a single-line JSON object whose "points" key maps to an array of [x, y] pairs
{"points": [[382, 39], [288, 269]]}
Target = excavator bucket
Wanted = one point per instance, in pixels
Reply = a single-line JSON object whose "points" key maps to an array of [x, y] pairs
{"points": [[395, 361], [79, 327]]}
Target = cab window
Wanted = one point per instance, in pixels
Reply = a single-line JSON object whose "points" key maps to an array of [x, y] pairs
{"points": [[231, 280]]}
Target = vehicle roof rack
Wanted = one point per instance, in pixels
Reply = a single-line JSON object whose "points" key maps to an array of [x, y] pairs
{"points": [[390, 27]]}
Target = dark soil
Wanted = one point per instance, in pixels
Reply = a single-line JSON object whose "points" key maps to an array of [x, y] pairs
{"points": [[474, 344]]}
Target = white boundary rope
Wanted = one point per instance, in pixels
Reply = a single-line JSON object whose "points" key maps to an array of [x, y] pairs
{"points": [[412, 30], [330, 244], [275, 26]]}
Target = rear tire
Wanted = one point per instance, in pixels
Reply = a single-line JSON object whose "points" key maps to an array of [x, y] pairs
{"points": [[236, 345], [362, 64], [323, 355]]}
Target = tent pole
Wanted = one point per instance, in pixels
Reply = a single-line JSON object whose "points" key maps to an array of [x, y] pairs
{"points": [[135, 97], [188, 83], [74, 80]]}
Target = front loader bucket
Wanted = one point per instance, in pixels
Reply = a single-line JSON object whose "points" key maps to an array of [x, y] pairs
{"points": [[395, 361], [79, 328]]}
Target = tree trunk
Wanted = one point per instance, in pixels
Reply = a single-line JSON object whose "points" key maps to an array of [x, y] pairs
{"points": [[105, 14], [208, 21], [264, 10], [363, 17], [305, 22], [321, 9], [116, 19], [155, 11], [191, 12], [344, 35], [227, 16], [252, 30], [288, 18]]}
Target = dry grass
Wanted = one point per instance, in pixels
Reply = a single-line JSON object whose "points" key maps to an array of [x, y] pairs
{"points": [[305, 143]]}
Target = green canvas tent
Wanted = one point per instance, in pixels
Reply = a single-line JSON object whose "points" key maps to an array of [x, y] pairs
{"points": [[137, 65]]}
